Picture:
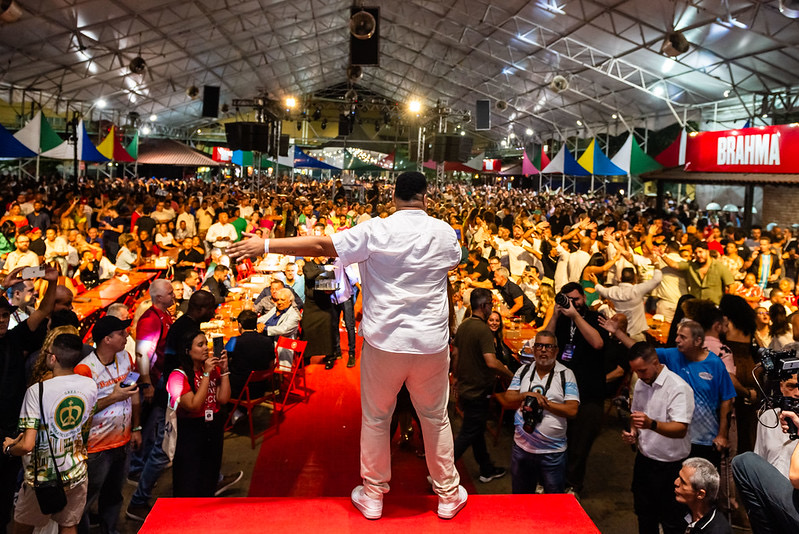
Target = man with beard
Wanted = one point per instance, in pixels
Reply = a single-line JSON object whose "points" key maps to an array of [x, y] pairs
{"points": [[707, 278], [580, 344]]}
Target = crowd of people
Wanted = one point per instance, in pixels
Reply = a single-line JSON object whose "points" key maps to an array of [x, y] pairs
{"points": [[590, 273]]}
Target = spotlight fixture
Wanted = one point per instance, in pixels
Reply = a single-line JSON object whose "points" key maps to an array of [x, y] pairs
{"points": [[299, 125], [137, 65], [317, 113], [675, 44], [324, 124], [291, 102], [192, 92], [153, 117], [101, 103], [362, 25], [528, 132], [790, 8], [415, 106]]}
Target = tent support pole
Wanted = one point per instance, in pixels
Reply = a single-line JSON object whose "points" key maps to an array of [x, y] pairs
{"points": [[749, 200]]}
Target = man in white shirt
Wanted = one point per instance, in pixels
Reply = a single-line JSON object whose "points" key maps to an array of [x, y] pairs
{"points": [[188, 218], [628, 298], [579, 259], [21, 256], [404, 260], [662, 408], [221, 234], [673, 284]]}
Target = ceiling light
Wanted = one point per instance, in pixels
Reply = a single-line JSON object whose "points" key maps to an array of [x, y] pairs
{"points": [[658, 90], [765, 116], [790, 8], [291, 102], [511, 135], [528, 132], [414, 106], [463, 132], [579, 122], [726, 93], [145, 130], [153, 117], [101, 103], [731, 22], [199, 131], [504, 143], [614, 116]]}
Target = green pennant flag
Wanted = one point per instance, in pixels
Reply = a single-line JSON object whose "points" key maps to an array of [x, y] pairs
{"points": [[48, 139], [133, 146], [640, 162]]}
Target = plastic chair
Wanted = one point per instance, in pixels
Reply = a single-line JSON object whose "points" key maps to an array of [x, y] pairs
{"points": [[297, 371], [244, 269], [246, 401]]}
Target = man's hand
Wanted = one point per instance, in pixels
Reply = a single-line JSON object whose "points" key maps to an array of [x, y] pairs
{"points": [[542, 401], [570, 312], [121, 393], [246, 248], [10, 442], [629, 437], [640, 420], [135, 440], [786, 416], [608, 324], [720, 443]]}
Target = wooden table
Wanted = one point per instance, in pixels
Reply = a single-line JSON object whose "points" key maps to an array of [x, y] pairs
{"points": [[113, 290], [658, 331], [516, 334]]}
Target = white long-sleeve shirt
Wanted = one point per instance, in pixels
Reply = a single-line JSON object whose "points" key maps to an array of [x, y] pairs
{"points": [[629, 300]]}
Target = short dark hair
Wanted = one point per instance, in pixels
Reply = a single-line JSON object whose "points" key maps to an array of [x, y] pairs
{"points": [[643, 350], [572, 286], [68, 350], [409, 185], [628, 275], [201, 299], [479, 297], [248, 319]]}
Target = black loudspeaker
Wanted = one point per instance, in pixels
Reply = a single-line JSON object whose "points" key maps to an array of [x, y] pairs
{"points": [[483, 115], [344, 125], [465, 149], [366, 51], [248, 136], [451, 147], [210, 101], [439, 148], [284, 146], [426, 151]]}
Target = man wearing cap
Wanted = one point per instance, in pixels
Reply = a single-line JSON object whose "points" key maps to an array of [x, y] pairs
{"points": [[115, 424], [707, 278], [14, 345], [404, 260]]}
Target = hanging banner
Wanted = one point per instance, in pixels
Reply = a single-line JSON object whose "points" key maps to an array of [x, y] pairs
{"points": [[767, 149], [222, 154], [492, 165]]}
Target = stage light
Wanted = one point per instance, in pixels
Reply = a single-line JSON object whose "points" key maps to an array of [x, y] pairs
{"points": [[415, 106], [528, 132], [463, 132], [317, 113], [153, 117], [291, 102], [145, 130], [614, 116], [324, 124], [579, 122]]}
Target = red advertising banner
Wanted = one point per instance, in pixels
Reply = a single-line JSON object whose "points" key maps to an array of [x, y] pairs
{"points": [[221, 154], [492, 165], [767, 149]]}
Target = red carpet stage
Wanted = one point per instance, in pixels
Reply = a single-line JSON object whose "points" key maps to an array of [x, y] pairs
{"points": [[550, 514]]}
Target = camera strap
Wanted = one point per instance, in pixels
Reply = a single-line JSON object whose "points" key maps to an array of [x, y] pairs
{"points": [[549, 378]]}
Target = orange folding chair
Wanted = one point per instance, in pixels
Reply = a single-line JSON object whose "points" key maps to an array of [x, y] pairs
{"points": [[297, 372], [247, 402]]}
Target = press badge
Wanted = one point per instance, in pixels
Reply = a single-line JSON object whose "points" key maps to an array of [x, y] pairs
{"points": [[209, 415], [568, 353]]}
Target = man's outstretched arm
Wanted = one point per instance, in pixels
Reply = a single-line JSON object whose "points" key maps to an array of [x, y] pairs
{"points": [[292, 246]]}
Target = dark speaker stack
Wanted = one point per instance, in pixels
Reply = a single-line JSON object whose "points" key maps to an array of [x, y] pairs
{"points": [[483, 115], [257, 136], [451, 147], [366, 51], [210, 101]]}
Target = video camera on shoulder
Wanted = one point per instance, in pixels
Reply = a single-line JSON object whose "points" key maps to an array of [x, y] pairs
{"points": [[778, 366]]}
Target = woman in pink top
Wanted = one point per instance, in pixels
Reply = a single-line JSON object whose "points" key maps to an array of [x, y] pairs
{"points": [[199, 387]]}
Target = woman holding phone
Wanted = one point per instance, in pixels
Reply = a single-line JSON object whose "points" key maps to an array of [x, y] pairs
{"points": [[199, 387]]}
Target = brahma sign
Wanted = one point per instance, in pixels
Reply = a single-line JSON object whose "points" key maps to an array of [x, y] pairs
{"points": [[768, 149]]}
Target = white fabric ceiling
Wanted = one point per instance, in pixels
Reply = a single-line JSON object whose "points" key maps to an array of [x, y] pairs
{"points": [[456, 51]]}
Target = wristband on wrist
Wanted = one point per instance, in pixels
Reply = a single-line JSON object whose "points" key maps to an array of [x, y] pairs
{"points": [[205, 374], [7, 450], [226, 373], [266, 246], [136, 429]]}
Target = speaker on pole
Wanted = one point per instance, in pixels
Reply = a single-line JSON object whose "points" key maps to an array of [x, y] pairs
{"points": [[284, 146], [344, 125], [248, 136], [483, 115], [210, 101]]}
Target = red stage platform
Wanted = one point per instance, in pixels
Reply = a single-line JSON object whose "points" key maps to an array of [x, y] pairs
{"points": [[552, 514]]}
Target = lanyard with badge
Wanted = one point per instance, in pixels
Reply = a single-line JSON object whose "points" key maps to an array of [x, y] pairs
{"points": [[568, 350]]}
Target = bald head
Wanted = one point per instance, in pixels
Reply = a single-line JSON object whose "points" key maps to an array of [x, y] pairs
{"points": [[63, 298]]}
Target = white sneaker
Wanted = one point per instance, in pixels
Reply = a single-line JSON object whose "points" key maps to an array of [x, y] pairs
{"points": [[448, 510], [369, 507]]}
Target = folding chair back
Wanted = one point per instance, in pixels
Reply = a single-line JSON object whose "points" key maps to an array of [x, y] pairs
{"points": [[297, 372], [248, 402]]}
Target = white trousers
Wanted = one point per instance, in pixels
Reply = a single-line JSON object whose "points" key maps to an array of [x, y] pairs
{"points": [[427, 379]]}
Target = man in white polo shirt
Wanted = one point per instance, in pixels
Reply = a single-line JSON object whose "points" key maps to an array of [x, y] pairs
{"points": [[403, 260], [662, 408]]}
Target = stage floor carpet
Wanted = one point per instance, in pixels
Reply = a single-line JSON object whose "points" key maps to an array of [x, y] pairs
{"points": [[550, 514]]}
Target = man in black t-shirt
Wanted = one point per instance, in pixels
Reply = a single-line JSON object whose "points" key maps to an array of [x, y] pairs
{"points": [[517, 302], [14, 344], [476, 368], [580, 341], [477, 266]]}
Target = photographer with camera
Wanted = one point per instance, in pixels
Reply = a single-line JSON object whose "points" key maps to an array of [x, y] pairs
{"points": [[548, 392], [580, 344]]}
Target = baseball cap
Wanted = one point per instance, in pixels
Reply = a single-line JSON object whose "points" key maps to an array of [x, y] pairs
{"points": [[106, 325]]}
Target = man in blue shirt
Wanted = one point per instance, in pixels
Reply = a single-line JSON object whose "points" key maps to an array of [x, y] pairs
{"points": [[713, 389]]}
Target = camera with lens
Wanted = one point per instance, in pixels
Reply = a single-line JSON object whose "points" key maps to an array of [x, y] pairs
{"points": [[562, 300], [779, 365], [533, 415]]}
